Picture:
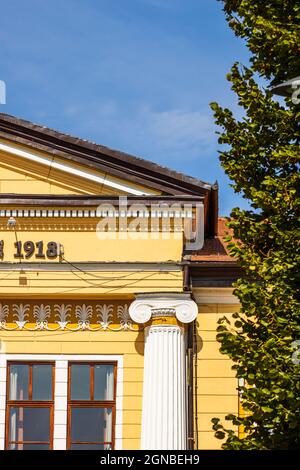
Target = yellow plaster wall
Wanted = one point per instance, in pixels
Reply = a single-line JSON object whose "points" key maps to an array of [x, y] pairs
{"points": [[87, 246], [216, 394], [14, 181], [126, 343], [20, 175], [83, 243], [91, 284]]}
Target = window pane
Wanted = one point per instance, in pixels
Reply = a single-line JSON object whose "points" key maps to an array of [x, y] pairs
{"points": [[91, 424], [104, 382], [19, 382], [36, 447], [90, 447], [29, 447], [29, 424], [42, 382], [80, 382]]}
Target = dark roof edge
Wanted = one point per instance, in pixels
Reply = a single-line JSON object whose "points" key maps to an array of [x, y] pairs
{"points": [[92, 200]]}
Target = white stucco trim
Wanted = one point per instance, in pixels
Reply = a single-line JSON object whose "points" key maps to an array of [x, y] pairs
{"points": [[60, 394], [73, 171]]}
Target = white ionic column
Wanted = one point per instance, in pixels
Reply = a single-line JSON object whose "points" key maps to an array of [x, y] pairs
{"points": [[164, 415]]}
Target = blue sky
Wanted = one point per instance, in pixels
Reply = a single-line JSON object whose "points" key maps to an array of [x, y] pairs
{"points": [[135, 75]]}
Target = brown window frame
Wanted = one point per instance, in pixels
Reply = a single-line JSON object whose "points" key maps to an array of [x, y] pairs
{"points": [[91, 403], [29, 403]]}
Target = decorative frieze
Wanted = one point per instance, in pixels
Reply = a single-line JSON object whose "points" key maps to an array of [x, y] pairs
{"points": [[64, 316], [78, 213]]}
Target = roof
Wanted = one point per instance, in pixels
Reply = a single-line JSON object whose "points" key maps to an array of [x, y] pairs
{"points": [[215, 248], [114, 162], [98, 156], [212, 266]]}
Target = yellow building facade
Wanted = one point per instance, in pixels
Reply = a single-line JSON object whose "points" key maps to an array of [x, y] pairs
{"points": [[113, 276]]}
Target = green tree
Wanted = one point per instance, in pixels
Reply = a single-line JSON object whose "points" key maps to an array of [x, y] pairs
{"points": [[261, 157]]}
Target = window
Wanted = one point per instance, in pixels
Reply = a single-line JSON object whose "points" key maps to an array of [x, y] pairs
{"points": [[29, 412], [91, 406]]}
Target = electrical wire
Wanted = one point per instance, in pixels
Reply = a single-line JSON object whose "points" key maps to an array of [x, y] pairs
{"points": [[106, 279], [95, 276], [88, 273]]}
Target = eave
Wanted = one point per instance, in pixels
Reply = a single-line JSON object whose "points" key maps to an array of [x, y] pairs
{"points": [[214, 273], [91, 200]]}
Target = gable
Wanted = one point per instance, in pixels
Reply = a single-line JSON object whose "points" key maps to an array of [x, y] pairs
{"points": [[26, 171], [115, 165], [36, 160]]}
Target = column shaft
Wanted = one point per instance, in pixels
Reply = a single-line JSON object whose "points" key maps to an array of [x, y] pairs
{"points": [[164, 394]]}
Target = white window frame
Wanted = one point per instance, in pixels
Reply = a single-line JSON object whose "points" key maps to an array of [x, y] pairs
{"points": [[61, 392]]}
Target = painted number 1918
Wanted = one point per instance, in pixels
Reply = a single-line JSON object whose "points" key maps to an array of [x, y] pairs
{"points": [[29, 248]]}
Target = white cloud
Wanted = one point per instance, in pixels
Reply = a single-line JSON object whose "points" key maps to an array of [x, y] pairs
{"points": [[179, 127], [163, 136], [174, 134]]}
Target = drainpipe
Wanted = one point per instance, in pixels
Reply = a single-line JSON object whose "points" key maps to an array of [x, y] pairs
{"points": [[190, 367], [197, 244]]}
